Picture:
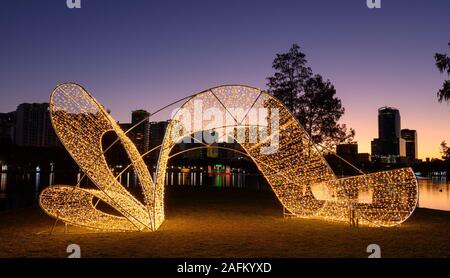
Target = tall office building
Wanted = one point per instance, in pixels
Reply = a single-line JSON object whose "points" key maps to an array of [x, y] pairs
{"points": [[124, 126], [388, 123], [410, 137], [388, 141], [7, 122], [157, 132], [348, 152], [33, 126], [140, 134]]}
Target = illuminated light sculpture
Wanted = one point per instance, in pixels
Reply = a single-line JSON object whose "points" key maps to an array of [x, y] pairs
{"points": [[297, 172]]}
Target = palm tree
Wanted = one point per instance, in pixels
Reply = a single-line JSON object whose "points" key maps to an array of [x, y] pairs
{"points": [[443, 64]]}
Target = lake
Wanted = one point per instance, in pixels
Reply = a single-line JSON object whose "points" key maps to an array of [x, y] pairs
{"points": [[22, 190]]}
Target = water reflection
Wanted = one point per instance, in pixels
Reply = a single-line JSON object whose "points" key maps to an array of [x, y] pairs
{"points": [[51, 179], [434, 194], [22, 189], [365, 196], [37, 181], [3, 179], [183, 178]]}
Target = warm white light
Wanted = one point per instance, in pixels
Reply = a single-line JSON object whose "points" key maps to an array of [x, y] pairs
{"points": [[297, 167]]}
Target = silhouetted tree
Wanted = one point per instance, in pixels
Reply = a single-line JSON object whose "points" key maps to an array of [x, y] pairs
{"points": [[443, 64], [445, 150], [319, 111], [291, 74], [312, 100]]}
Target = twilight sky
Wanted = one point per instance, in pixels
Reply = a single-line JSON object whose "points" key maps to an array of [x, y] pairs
{"points": [[133, 54]]}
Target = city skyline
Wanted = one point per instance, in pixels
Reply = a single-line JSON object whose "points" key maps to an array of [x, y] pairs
{"points": [[29, 126], [374, 58]]}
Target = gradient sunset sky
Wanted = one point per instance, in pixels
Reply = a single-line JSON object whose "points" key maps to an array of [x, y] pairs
{"points": [[143, 54]]}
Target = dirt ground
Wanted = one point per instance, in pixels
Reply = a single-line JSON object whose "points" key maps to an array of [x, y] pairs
{"points": [[224, 223]]}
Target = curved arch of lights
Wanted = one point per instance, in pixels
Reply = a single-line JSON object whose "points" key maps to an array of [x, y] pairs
{"points": [[297, 172]]}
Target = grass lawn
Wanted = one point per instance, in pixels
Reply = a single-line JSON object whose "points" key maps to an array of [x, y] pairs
{"points": [[224, 223]]}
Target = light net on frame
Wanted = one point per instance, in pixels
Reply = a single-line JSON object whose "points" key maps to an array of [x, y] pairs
{"points": [[296, 170]]}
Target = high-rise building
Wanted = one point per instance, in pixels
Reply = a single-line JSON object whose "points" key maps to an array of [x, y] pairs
{"points": [[388, 142], [348, 152], [388, 123], [7, 122], [33, 126], [140, 133], [124, 126], [402, 147], [410, 137], [157, 132]]}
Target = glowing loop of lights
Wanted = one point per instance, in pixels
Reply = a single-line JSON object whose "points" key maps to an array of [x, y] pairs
{"points": [[297, 172]]}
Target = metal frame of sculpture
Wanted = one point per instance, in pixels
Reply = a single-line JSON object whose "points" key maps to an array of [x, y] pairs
{"points": [[297, 172]]}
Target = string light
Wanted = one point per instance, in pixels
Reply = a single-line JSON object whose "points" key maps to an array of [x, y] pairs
{"points": [[80, 123], [297, 172]]}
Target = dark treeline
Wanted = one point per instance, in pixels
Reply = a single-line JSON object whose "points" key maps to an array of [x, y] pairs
{"points": [[26, 159]]}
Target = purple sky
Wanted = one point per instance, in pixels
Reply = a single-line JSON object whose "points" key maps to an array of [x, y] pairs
{"points": [[133, 54]]}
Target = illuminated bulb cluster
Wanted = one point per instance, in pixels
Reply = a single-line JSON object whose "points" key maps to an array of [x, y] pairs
{"points": [[80, 122], [297, 172]]}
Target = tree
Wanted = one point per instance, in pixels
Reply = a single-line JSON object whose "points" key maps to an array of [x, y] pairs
{"points": [[443, 64], [291, 74], [319, 111], [445, 150], [312, 100]]}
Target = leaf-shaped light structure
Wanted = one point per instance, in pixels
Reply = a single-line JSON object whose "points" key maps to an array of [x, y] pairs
{"points": [[296, 170]]}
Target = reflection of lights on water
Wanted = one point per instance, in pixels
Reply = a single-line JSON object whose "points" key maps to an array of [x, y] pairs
{"points": [[322, 191], [3, 179], [434, 194], [37, 180], [134, 178], [51, 179], [365, 196]]}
